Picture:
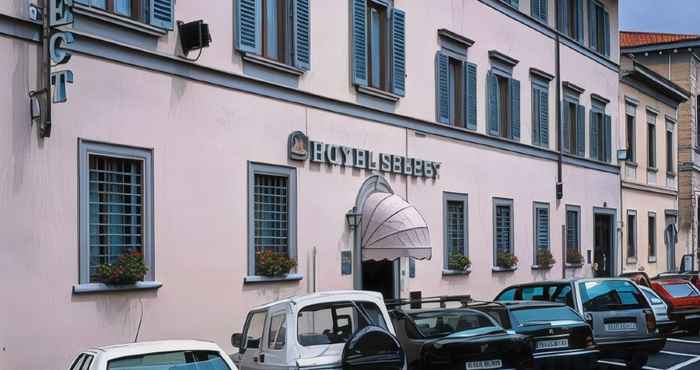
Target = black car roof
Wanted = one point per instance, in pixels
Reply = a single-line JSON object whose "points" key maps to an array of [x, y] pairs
{"points": [[516, 305]]}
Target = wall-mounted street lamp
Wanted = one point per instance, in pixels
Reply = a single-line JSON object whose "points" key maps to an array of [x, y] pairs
{"points": [[353, 218]]}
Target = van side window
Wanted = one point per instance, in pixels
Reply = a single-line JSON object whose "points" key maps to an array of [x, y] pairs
{"points": [[374, 313], [276, 336], [507, 295], [329, 323], [254, 330]]}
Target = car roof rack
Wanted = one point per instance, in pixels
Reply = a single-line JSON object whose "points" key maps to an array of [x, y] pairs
{"points": [[417, 302]]}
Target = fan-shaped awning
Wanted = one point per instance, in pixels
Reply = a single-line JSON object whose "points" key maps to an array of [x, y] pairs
{"points": [[392, 228]]}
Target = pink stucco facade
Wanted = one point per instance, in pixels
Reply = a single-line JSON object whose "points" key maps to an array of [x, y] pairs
{"points": [[203, 134]]}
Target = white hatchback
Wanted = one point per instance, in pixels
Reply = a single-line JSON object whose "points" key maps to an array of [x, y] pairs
{"points": [[160, 355]]}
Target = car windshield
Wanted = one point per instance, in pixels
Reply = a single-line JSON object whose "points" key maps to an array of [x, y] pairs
{"points": [[179, 360], [437, 324], [604, 295], [652, 297], [681, 290], [540, 315]]}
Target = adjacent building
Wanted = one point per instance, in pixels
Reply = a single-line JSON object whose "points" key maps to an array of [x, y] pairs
{"points": [[649, 105], [674, 57], [356, 138]]}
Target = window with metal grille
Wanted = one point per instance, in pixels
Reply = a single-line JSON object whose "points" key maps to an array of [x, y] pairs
{"points": [[271, 194], [541, 227], [503, 227], [651, 236], [455, 227], [116, 209], [573, 223], [271, 211], [116, 206], [631, 234]]}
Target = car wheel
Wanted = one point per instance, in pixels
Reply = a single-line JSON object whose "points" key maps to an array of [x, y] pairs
{"points": [[638, 361]]}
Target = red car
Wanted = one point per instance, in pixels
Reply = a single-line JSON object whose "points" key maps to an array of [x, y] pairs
{"points": [[683, 300]]}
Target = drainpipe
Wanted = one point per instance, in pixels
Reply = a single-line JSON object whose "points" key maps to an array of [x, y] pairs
{"points": [[560, 140]]}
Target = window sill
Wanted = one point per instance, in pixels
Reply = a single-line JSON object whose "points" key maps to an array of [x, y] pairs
{"points": [[651, 259], [631, 260], [117, 20], [573, 265], [90, 288], [541, 267], [652, 169], [503, 269], [273, 64], [377, 93], [456, 272], [254, 279], [631, 164], [671, 175]]}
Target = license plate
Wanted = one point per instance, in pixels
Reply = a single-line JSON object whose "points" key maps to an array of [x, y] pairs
{"points": [[482, 365], [552, 344], [621, 326]]}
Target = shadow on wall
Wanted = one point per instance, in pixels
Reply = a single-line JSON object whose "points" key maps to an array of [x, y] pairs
{"points": [[122, 313]]}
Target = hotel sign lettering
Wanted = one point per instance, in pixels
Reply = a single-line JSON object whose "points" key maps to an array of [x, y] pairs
{"points": [[300, 148]]}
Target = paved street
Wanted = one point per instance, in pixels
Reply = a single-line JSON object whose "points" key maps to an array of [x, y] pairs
{"points": [[681, 353]]}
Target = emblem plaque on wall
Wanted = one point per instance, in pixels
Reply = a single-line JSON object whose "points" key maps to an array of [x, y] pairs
{"points": [[298, 146]]}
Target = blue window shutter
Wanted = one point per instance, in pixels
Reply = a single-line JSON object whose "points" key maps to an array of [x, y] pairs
{"points": [[566, 127], [579, 20], [515, 109], [542, 228], [442, 79], [544, 117], [302, 35], [470, 106], [249, 26], [606, 31], [535, 8], [398, 52], [515, 3], [535, 115], [592, 26], [359, 42], [607, 139], [493, 102], [594, 135], [161, 14], [86, 2], [581, 131], [562, 19], [544, 10]]}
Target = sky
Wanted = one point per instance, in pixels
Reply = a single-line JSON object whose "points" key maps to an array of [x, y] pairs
{"points": [[670, 16]]}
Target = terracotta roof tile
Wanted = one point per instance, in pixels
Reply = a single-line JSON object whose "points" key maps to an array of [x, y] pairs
{"points": [[633, 39]]}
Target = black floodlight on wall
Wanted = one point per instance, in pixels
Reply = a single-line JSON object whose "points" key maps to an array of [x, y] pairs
{"points": [[193, 36]]}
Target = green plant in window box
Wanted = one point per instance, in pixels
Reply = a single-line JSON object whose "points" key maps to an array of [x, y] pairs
{"points": [[273, 264], [458, 262], [545, 258], [128, 269], [506, 260], [574, 256]]}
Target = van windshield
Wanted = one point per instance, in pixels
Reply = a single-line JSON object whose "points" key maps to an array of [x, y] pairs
{"points": [[331, 323], [606, 295]]}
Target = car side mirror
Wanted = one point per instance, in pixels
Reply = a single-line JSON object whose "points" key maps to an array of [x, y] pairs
{"points": [[373, 348], [236, 340]]}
